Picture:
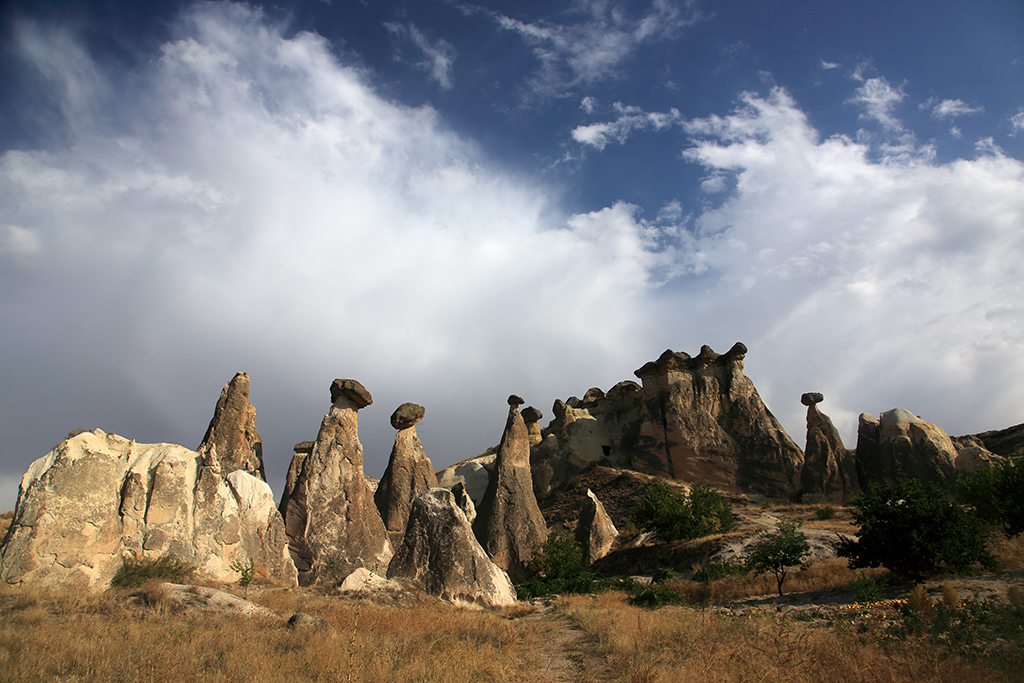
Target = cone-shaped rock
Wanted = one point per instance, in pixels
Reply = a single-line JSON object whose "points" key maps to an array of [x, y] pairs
{"points": [[464, 501], [408, 475], [829, 468], [333, 525], [509, 523], [595, 531], [899, 444], [233, 430], [441, 555]]}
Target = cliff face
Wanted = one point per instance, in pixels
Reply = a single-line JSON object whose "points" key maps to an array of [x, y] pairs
{"points": [[696, 419]]}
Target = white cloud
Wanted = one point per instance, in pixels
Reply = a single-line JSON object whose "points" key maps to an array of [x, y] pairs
{"points": [[1017, 122], [630, 119], [19, 241], [951, 109], [879, 98], [593, 48], [440, 54], [828, 66]]}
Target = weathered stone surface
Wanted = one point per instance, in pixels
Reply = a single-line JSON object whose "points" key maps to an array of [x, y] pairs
{"points": [[441, 556], [595, 531], [509, 524], [474, 473], [304, 447], [233, 430], [208, 600], [333, 525], [409, 474], [365, 581], [531, 416], [97, 498], [899, 445], [1009, 442], [464, 502], [407, 415], [702, 420], [514, 400], [973, 458], [829, 468]]}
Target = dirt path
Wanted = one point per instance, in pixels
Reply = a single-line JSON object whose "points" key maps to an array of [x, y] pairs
{"points": [[569, 656]]}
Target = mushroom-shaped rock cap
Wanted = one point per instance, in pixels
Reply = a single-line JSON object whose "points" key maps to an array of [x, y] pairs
{"points": [[352, 390], [304, 447], [558, 408], [811, 397], [406, 415], [531, 414], [514, 400]]}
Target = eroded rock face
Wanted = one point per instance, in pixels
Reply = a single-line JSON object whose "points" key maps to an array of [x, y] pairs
{"points": [[409, 473], [509, 523], [441, 556], [473, 473], [97, 498], [702, 420], [233, 430], [899, 444], [595, 531], [829, 468], [332, 523]]}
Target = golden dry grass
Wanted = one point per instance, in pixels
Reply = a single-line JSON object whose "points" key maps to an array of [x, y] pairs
{"points": [[45, 637], [679, 645]]}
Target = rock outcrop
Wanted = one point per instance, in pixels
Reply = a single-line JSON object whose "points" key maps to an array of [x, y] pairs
{"points": [[332, 523], [233, 430], [509, 523], [99, 498], [532, 416], [441, 556], [473, 473], [595, 531], [898, 445], [829, 468], [702, 420], [464, 502], [409, 473]]}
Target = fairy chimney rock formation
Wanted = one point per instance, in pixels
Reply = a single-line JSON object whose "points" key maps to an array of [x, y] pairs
{"points": [[333, 525], [441, 556], [899, 444], [99, 498], [702, 420], [509, 523], [595, 531], [233, 430], [532, 417], [409, 472], [464, 501], [829, 468]]}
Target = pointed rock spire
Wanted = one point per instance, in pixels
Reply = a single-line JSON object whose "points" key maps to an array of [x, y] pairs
{"points": [[233, 430], [595, 531], [408, 475]]}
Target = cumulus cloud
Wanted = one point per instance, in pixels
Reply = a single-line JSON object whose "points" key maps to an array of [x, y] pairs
{"points": [[629, 119], [879, 98], [439, 55], [255, 205], [592, 48]]}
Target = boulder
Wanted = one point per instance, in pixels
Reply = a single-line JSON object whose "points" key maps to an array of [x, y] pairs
{"points": [[509, 524], [409, 473], [702, 420], [898, 445], [829, 469], [973, 458], [233, 430], [441, 556], [98, 498], [365, 582], [333, 525], [595, 531], [464, 502]]}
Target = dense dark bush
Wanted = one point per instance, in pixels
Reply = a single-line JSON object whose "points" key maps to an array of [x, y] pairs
{"points": [[134, 573], [557, 567], [673, 516], [915, 532], [997, 496]]}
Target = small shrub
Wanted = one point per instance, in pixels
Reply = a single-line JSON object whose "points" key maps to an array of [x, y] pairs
{"points": [[777, 551], [717, 569], [134, 573], [674, 516], [866, 589], [655, 596], [246, 573], [663, 575], [557, 568], [824, 512]]}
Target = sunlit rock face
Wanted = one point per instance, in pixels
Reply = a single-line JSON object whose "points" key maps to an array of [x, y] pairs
{"points": [[332, 522], [829, 469], [409, 473], [99, 498], [899, 444], [595, 531], [509, 523], [233, 430]]}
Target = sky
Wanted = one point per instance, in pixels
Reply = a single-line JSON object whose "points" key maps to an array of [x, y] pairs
{"points": [[455, 201]]}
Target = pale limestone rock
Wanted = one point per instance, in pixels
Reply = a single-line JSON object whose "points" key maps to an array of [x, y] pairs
{"points": [[363, 580], [210, 600], [232, 430], [409, 473], [474, 473], [898, 445], [333, 525], [441, 556], [509, 523], [464, 502], [973, 458], [595, 531], [97, 498]]}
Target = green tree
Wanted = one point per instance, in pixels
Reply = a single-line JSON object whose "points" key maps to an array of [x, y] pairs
{"points": [[557, 567], [674, 516], [997, 496], [915, 532], [776, 551]]}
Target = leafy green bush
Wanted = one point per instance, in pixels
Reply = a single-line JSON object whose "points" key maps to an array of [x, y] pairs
{"points": [[673, 516], [997, 496], [915, 532], [134, 573], [557, 567], [654, 596], [776, 551], [824, 512]]}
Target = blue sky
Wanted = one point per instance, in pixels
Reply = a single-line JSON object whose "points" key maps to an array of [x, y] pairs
{"points": [[452, 202]]}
